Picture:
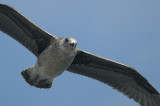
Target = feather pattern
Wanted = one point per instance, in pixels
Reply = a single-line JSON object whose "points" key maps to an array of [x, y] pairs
{"points": [[23, 30], [121, 77]]}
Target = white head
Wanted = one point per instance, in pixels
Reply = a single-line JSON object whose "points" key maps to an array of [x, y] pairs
{"points": [[69, 43]]}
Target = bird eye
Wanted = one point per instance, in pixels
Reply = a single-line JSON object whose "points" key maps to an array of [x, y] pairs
{"points": [[66, 40]]}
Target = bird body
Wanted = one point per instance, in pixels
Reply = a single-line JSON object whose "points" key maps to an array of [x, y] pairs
{"points": [[56, 58], [56, 54]]}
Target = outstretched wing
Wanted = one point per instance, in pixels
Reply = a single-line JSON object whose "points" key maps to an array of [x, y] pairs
{"points": [[23, 30], [121, 77]]}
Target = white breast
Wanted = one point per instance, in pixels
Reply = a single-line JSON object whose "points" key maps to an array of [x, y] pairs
{"points": [[54, 60]]}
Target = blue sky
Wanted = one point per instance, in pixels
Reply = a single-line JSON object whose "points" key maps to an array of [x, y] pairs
{"points": [[127, 31]]}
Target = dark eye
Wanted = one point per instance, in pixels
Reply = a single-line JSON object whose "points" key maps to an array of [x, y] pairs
{"points": [[66, 40]]}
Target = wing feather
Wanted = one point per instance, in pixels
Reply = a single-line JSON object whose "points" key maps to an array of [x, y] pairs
{"points": [[23, 30], [120, 77]]}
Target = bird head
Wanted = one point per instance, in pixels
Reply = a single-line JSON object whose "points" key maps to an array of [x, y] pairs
{"points": [[70, 43]]}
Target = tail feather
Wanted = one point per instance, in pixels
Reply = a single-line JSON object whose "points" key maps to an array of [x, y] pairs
{"points": [[34, 79], [26, 74]]}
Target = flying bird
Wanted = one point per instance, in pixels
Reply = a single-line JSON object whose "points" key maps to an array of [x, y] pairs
{"points": [[56, 54]]}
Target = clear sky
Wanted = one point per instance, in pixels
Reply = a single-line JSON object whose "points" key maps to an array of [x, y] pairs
{"points": [[127, 31]]}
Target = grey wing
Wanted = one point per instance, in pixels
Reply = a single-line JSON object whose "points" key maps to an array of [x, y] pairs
{"points": [[24, 31], [121, 77]]}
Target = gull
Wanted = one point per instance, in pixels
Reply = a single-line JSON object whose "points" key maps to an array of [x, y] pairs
{"points": [[57, 54]]}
